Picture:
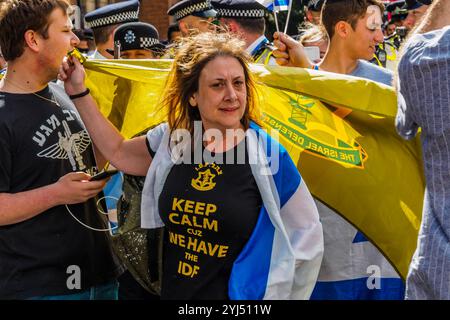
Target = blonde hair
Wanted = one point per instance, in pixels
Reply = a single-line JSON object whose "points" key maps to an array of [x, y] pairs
{"points": [[191, 56], [313, 33]]}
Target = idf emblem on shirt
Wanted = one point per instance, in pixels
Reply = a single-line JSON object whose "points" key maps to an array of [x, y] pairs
{"points": [[206, 174]]}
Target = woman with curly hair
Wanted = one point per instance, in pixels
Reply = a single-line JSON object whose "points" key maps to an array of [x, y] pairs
{"points": [[239, 221]]}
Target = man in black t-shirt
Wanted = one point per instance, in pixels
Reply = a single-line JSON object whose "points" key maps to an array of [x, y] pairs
{"points": [[46, 161]]}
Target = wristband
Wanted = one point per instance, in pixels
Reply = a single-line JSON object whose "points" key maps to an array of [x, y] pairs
{"points": [[79, 95]]}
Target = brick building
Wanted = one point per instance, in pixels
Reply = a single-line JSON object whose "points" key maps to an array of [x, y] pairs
{"points": [[151, 11]]}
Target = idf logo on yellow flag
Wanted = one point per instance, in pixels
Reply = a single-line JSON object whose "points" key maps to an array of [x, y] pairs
{"points": [[330, 137]]}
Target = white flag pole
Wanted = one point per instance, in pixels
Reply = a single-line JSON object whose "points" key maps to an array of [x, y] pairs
{"points": [[276, 19], [288, 16]]}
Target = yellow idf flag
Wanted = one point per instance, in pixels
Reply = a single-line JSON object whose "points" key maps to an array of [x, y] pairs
{"points": [[338, 129]]}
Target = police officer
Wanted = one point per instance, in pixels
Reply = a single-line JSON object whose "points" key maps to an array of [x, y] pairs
{"points": [[86, 45], [173, 33], [138, 40], [193, 15], [387, 51], [246, 19], [105, 20]]}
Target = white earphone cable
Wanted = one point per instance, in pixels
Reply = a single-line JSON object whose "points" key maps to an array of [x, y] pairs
{"points": [[100, 210]]}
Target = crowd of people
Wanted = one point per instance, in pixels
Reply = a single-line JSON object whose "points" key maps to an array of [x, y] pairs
{"points": [[233, 227]]}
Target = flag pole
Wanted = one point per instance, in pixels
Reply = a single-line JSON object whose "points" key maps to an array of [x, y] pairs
{"points": [[276, 18], [288, 16]]}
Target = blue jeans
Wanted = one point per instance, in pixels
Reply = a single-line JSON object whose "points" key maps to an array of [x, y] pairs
{"points": [[108, 291]]}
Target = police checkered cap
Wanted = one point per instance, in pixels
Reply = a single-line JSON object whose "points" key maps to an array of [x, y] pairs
{"points": [[191, 7], [114, 19], [238, 8], [121, 12], [236, 13], [148, 42]]}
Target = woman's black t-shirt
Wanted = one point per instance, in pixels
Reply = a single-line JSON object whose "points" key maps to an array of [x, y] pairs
{"points": [[209, 211]]}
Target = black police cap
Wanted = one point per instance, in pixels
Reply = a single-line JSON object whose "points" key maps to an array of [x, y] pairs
{"points": [[137, 36], [198, 8], [121, 12]]}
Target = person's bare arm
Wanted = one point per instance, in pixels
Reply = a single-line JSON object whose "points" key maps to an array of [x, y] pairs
{"points": [[70, 189], [130, 156], [100, 159]]}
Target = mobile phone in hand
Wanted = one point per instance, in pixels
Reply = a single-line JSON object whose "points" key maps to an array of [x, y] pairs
{"points": [[103, 175]]}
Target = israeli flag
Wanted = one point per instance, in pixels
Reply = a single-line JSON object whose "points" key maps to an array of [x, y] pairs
{"points": [[275, 5], [282, 257]]}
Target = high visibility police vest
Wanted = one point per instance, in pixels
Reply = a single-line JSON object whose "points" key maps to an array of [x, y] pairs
{"points": [[386, 53], [263, 56], [263, 53]]}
